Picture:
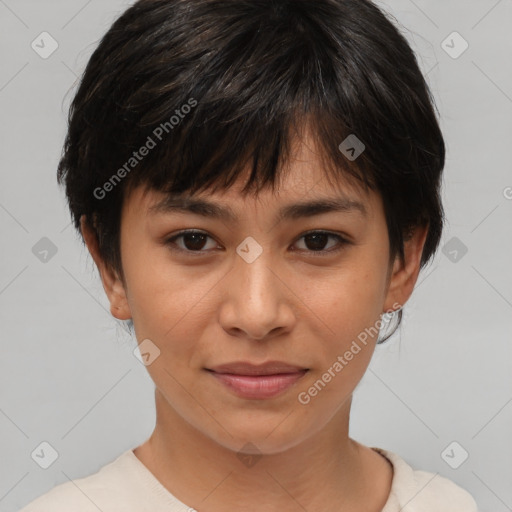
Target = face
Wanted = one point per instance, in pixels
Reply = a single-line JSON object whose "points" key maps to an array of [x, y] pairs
{"points": [[304, 290]]}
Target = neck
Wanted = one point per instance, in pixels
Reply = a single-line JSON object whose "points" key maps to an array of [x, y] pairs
{"points": [[207, 475]]}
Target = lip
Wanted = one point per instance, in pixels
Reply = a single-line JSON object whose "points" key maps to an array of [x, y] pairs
{"points": [[250, 369], [258, 381]]}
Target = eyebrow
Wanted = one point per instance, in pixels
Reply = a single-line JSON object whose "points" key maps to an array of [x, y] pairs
{"points": [[205, 208]]}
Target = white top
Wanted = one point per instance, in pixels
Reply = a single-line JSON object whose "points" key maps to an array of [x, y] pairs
{"points": [[127, 485]]}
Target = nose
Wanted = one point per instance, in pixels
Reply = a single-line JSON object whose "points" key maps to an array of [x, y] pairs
{"points": [[258, 303]]}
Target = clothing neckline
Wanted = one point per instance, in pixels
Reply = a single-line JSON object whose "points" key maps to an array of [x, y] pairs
{"points": [[399, 468]]}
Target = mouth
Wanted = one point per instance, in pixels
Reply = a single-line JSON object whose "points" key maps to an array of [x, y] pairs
{"points": [[257, 381]]}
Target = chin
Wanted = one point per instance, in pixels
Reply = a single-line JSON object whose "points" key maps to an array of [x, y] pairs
{"points": [[258, 438]]}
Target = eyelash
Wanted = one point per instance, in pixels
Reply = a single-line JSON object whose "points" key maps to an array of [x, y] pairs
{"points": [[342, 242]]}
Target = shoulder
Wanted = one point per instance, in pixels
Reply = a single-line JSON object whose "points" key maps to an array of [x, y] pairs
{"points": [[104, 490], [423, 491]]}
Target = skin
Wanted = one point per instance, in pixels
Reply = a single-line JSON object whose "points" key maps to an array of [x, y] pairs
{"points": [[289, 305]]}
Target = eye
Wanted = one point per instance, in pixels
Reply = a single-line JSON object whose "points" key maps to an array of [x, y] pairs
{"points": [[315, 241], [193, 241]]}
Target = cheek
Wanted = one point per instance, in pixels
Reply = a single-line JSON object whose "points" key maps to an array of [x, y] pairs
{"points": [[349, 306], [168, 302], [351, 300]]}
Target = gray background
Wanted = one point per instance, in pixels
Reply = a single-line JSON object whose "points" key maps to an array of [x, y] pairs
{"points": [[67, 372]]}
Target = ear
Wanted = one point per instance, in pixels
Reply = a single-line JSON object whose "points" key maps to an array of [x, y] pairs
{"points": [[404, 274], [112, 284]]}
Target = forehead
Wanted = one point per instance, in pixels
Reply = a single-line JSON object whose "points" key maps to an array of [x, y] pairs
{"points": [[232, 208], [301, 179]]}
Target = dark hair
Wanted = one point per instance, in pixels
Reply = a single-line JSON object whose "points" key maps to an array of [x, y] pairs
{"points": [[209, 87]]}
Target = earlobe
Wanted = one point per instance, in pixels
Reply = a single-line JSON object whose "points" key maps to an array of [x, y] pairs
{"points": [[112, 284], [405, 273]]}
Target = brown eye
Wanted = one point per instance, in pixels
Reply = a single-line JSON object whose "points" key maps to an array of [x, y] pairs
{"points": [[192, 241], [317, 241]]}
